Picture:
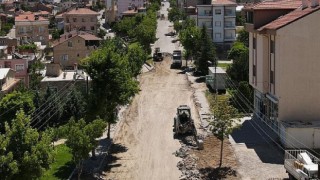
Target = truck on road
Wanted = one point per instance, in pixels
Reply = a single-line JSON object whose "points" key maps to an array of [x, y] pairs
{"points": [[301, 165], [177, 58]]}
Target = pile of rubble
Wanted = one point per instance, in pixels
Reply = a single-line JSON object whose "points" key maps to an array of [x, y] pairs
{"points": [[188, 164]]}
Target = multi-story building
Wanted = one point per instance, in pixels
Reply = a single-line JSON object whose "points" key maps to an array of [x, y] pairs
{"points": [[32, 28], [7, 45], [72, 47], [283, 68], [20, 66], [219, 16], [81, 19], [8, 82]]}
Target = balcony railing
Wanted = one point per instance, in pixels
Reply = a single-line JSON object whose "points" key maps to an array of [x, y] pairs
{"points": [[229, 15], [205, 14], [229, 26]]}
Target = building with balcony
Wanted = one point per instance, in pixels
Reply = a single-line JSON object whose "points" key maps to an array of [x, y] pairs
{"points": [[82, 19], [20, 66], [219, 17], [125, 5], [72, 47], [283, 68], [31, 28]]}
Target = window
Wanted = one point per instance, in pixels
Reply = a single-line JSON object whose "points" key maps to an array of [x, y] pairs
{"points": [[217, 35], [69, 44], [78, 55], [271, 77], [83, 20], [67, 20], [41, 29], [64, 57], [217, 23], [19, 67], [272, 48], [217, 11], [40, 38], [228, 24], [92, 19], [254, 70], [249, 17], [92, 28], [207, 12], [228, 12], [254, 43], [74, 19]]}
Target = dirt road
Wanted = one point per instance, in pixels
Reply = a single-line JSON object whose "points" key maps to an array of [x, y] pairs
{"points": [[145, 134]]}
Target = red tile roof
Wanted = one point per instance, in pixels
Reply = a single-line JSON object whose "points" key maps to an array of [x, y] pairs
{"points": [[64, 37], [82, 11], [282, 4], [29, 17], [289, 18], [224, 2]]}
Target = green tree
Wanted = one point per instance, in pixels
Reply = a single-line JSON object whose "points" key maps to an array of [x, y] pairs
{"points": [[177, 26], [32, 152], [225, 121], [244, 90], [175, 14], [79, 143], [94, 130], [74, 106], [243, 36], [190, 36], [101, 33], [112, 84], [239, 69], [13, 102], [136, 57], [55, 34], [8, 166], [207, 52]]}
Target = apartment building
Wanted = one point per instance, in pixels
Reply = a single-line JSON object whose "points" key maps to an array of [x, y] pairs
{"points": [[283, 68], [32, 28], [219, 16], [20, 66], [72, 47], [8, 82], [82, 19]]}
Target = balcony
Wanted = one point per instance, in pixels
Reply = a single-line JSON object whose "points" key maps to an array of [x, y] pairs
{"points": [[229, 15], [229, 26], [229, 38], [205, 15]]}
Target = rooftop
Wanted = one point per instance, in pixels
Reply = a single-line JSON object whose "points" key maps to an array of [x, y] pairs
{"points": [[29, 17], [86, 36], [282, 4], [3, 72], [289, 18], [224, 2], [67, 76], [77, 11]]}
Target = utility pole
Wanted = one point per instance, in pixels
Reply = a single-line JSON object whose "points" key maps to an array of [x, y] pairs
{"points": [[215, 78]]}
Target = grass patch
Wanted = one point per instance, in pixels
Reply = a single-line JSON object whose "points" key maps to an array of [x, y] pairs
{"points": [[223, 65], [62, 167]]}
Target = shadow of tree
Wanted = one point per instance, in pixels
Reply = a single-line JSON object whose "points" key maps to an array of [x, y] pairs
{"points": [[64, 171], [117, 148], [210, 173]]}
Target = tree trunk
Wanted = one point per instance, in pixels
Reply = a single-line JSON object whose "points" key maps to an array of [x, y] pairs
{"points": [[93, 152], [109, 129], [221, 151], [79, 170]]}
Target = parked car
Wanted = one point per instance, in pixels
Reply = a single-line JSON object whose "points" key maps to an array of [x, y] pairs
{"points": [[170, 33], [175, 40]]}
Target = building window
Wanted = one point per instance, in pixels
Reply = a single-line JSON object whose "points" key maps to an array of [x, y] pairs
{"points": [[74, 19], [92, 19], [64, 57], [69, 44], [217, 11], [271, 77], [92, 28], [40, 38], [254, 43], [41, 29], [249, 17], [67, 20], [254, 70], [207, 12], [83, 20], [19, 67], [217, 23], [228, 24], [272, 48], [217, 35], [228, 12], [78, 55]]}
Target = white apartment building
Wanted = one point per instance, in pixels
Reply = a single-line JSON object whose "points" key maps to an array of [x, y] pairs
{"points": [[220, 19]]}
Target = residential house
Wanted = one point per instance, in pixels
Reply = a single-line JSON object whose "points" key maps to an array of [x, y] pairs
{"points": [[59, 80], [81, 19], [32, 28], [42, 7], [125, 5], [8, 82], [283, 68], [219, 16], [7, 45], [72, 47], [20, 66]]}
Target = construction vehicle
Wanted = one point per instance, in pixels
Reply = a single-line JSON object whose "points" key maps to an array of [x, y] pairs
{"points": [[177, 58], [157, 55], [301, 164], [184, 124]]}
